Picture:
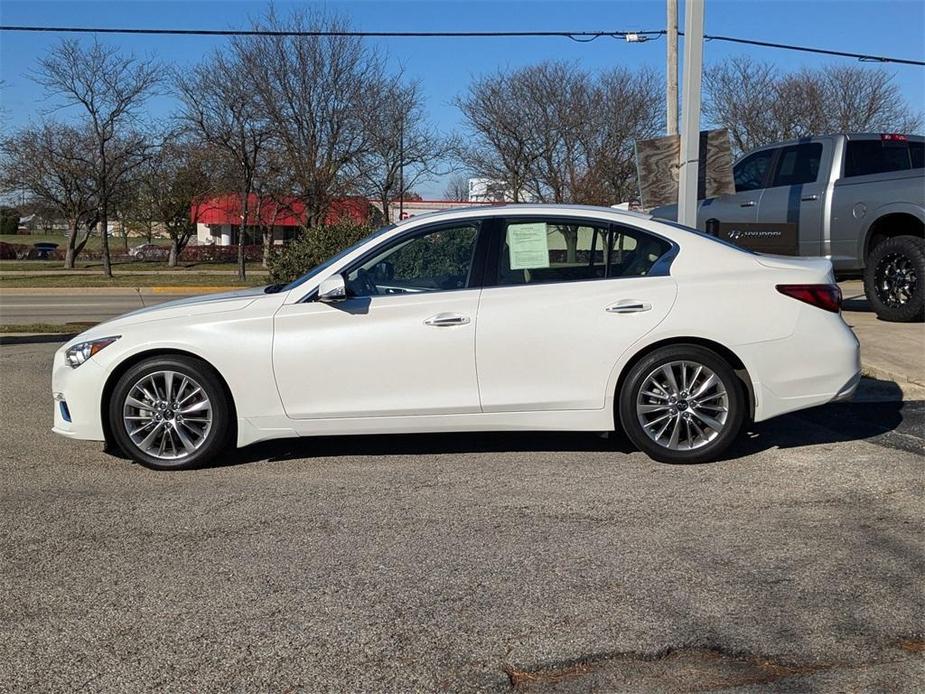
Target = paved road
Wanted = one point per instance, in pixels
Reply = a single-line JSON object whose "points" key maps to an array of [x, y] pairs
{"points": [[464, 562], [78, 307]]}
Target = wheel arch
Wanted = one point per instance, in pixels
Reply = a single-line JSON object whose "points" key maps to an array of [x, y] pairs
{"points": [[721, 350], [116, 373], [891, 222]]}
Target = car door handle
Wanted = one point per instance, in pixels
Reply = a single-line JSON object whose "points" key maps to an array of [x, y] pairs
{"points": [[809, 198], [749, 203], [629, 306], [445, 320]]}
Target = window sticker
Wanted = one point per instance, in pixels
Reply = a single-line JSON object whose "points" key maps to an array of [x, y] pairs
{"points": [[528, 245]]}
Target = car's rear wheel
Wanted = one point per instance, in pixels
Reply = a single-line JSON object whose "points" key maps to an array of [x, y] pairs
{"points": [[170, 413], [682, 404], [894, 279]]}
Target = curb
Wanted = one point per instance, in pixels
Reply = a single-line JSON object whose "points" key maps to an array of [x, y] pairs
{"points": [[34, 338], [126, 291], [192, 289], [908, 385]]}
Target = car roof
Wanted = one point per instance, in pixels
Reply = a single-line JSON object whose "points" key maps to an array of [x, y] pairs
{"points": [[510, 209], [827, 136]]}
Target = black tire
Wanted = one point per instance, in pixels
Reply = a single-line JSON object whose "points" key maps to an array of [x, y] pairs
{"points": [[893, 263], [219, 435], [707, 448]]}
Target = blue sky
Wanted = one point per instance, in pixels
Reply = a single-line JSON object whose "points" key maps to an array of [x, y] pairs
{"points": [[445, 66]]}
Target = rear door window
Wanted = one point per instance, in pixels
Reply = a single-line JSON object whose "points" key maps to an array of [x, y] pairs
{"points": [[798, 164], [865, 157], [549, 251]]}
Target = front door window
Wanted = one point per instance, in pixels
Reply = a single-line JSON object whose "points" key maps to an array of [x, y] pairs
{"points": [[437, 260]]}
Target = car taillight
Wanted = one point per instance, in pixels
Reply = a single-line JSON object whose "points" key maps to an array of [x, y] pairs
{"points": [[824, 296]]}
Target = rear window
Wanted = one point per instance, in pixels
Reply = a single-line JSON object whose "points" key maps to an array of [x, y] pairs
{"points": [[865, 157], [704, 235], [917, 154]]}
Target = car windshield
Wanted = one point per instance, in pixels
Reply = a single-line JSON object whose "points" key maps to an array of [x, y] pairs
{"points": [[330, 261]]}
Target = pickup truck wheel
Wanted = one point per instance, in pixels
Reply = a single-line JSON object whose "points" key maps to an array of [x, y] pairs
{"points": [[894, 279]]}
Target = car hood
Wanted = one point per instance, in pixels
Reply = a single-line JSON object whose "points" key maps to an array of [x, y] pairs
{"points": [[190, 306]]}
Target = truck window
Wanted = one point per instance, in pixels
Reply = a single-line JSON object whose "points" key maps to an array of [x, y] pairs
{"points": [[752, 172], [798, 164], [864, 157], [917, 153]]}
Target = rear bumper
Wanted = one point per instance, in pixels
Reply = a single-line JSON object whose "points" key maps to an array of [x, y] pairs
{"points": [[820, 362]]}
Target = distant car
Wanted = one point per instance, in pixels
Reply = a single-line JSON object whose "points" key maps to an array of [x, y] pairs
{"points": [[42, 250], [523, 317], [149, 252]]}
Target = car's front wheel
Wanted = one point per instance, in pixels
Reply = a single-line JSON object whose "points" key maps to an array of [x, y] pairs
{"points": [[170, 413], [682, 404]]}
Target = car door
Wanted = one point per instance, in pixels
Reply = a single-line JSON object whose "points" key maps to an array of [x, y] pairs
{"points": [[792, 208], [567, 298], [741, 209], [403, 341]]}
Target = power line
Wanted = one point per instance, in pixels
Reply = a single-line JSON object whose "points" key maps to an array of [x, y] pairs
{"points": [[807, 49], [579, 36]]}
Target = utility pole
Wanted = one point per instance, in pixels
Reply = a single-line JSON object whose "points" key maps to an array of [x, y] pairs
{"points": [[671, 73], [690, 113], [401, 169]]}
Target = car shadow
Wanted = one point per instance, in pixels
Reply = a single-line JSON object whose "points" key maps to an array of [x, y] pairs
{"points": [[856, 304], [878, 413], [425, 444]]}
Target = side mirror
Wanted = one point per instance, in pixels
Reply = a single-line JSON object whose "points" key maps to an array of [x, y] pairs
{"points": [[332, 289]]}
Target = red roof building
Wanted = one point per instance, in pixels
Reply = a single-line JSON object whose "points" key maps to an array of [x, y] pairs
{"points": [[218, 219]]}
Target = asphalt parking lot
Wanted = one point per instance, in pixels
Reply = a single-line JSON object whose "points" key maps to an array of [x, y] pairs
{"points": [[465, 562]]}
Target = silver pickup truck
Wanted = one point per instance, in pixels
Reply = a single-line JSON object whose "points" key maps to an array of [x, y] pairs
{"points": [[856, 199]]}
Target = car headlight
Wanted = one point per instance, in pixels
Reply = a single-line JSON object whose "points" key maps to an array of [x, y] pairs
{"points": [[79, 353]]}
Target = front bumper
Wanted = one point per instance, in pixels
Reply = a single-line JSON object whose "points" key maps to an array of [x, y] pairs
{"points": [[77, 396]]}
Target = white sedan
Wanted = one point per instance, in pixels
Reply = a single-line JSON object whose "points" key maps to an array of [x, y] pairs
{"points": [[524, 317]]}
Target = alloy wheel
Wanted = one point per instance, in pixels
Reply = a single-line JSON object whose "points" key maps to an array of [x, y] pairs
{"points": [[167, 415], [682, 405], [895, 280]]}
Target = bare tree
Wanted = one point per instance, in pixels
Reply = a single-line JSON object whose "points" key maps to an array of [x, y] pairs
{"points": [[403, 150], [502, 146], [457, 188], [623, 108], [110, 89], [555, 133], [221, 111], [759, 105], [48, 163], [273, 196], [314, 93], [175, 183]]}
